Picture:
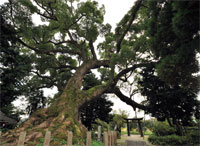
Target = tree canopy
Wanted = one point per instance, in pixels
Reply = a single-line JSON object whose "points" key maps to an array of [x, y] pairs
{"points": [[155, 45]]}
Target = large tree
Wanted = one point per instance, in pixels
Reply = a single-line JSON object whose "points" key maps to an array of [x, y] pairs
{"points": [[63, 53], [171, 86]]}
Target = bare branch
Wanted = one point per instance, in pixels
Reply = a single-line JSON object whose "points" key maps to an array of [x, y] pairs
{"points": [[41, 76], [76, 21]]}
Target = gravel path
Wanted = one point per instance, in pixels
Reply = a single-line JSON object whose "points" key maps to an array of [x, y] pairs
{"points": [[135, 143], [133, 140]]}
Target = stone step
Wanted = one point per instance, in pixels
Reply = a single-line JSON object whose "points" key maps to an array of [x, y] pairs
{"points": [[135, 143]]}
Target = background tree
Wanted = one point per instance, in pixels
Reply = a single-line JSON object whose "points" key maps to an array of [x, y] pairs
{"points": [[175, 104], [95, 109], [98, 108], [118, 121], [15, 68], [16, 73], [172, 86]]}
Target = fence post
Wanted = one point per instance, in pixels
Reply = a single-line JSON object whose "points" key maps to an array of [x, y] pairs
{"points": [[105, 138], [47, 138], [99, 133], [115, 138], [69, 138], [89, 140], [21, 139], [109, 138]]}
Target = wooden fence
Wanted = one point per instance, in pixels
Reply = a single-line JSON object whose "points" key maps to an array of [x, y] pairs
{"points": [[109, 139]]}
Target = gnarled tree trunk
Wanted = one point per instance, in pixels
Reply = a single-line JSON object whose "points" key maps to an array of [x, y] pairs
{"points": [[62, 115]]}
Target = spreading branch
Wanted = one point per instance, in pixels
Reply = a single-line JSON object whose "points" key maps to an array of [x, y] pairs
{"points": [[132, 18], [127, 70], [41, 76], [51, 15], [49, 51], [128, 100]]}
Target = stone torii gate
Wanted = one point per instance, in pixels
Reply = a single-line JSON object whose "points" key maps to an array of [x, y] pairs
{"points": [[139, 125]]}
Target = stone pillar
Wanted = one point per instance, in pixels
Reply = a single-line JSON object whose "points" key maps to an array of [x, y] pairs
{"points": [[99, 133]]}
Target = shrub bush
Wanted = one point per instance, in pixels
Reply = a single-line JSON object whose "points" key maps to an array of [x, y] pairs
{"points": [[165, 135], [169, 140], [97, 143], [163, 129], [194, 135]]}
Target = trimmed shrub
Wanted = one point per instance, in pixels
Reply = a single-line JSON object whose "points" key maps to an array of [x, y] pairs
{"points": [[169, 140]]}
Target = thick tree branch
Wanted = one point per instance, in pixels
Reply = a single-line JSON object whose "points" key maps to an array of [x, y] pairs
{"points": [[76, 80], [128, 100], [133, 15], [92, 50]]}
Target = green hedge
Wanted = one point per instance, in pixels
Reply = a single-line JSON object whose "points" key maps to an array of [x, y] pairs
{"points": [[192, 138], [169, 140]]}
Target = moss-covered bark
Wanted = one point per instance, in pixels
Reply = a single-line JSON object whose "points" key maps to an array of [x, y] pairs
{"points": [[59, 118]]}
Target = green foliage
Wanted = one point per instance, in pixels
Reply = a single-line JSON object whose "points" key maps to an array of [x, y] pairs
{"points": [[173, 38], [41, 142], [105, 126], [163, 134], [191, 138], [97, 143], [126, 55], [169, 140], [93, 17], [98, 108], [29, 4], [164, 101], [194, 135], [95, 109], [163, 129], [15, 68], [117, 121]]}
